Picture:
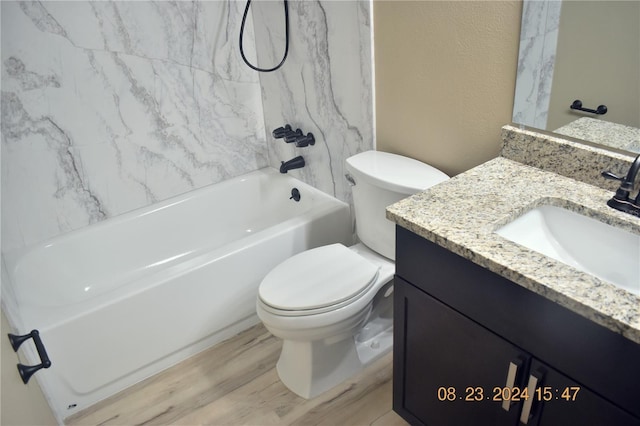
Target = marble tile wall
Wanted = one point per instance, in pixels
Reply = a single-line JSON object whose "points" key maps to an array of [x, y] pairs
{"points": [[538, 41], [324, 87], [111, 106]]}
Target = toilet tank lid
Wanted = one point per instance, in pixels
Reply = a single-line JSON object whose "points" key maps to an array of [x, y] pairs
{"points": [[394, 172]]}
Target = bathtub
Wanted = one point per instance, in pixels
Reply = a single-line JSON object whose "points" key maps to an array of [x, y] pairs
{"points": [[125, 298]]}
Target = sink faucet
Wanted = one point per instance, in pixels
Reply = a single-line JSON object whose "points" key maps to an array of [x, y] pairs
{"points": [[294, 163], [621, 200]]}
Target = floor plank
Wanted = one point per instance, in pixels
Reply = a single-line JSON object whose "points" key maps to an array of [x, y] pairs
{"points": [[235, 383]]}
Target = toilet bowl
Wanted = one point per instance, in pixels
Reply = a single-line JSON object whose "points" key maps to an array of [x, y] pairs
{"points": [[332, 305]]}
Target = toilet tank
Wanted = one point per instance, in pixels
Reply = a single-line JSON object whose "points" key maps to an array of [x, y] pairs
{"points": [[379, 180]]}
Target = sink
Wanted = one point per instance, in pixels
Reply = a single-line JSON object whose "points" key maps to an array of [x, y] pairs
{"points": [[609, 253]]}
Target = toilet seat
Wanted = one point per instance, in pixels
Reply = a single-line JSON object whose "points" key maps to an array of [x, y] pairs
{"points": [[317, 281]]}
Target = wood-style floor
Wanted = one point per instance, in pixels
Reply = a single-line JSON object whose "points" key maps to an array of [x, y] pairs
{"points": [[235, 383]]}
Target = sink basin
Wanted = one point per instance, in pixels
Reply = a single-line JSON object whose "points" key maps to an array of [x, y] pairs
{"points": [[594, 247]]}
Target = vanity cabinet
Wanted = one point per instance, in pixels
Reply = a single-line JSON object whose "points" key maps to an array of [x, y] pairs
{"points": [[473, 348]]}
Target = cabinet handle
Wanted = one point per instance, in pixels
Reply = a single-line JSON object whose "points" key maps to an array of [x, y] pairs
{"points": [[526, 407], [511, 380]]}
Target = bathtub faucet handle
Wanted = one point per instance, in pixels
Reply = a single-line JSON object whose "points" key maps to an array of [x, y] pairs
{"points": [[303, 141], [280, 132], [292, 136]]}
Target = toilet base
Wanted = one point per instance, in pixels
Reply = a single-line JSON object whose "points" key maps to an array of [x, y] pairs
{"points": [[311, 368]]}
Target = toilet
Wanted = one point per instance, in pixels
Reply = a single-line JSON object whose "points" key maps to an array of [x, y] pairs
{"points": [[331, 305]]}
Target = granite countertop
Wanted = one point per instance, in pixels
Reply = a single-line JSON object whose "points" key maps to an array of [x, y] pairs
{"points": [[462, 214]]}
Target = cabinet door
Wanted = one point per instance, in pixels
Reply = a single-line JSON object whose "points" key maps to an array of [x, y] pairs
{"points": [[559, 401], [446, 366]]}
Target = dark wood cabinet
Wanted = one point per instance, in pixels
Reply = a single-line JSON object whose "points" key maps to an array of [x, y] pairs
{"points": [[468, 350], [570, 403], [451, 365]]}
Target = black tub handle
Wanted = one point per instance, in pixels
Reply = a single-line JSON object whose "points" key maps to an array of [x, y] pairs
{"points": [[577, 104], [26, 371]]}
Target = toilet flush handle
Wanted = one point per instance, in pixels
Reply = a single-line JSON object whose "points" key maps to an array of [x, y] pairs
{"points": [[350, 179]]}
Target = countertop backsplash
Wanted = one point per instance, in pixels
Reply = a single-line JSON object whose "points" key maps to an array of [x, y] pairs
{"points": [[565, 156]]}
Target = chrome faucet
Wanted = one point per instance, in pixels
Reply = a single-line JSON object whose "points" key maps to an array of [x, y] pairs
{"points": [[621, 200]]}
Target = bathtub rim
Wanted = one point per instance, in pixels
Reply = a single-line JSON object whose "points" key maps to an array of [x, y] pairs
{"points": [[13, 257], [25, 316]]}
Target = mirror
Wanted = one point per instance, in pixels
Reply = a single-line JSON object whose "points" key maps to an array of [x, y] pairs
{"points": [[581, 50]]}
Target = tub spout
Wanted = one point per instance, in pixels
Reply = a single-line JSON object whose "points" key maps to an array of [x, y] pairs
{"points": [[294, 163]]}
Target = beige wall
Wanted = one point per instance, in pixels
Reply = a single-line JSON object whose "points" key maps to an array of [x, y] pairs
{"points": [[20, 404], [597, 61], [445, 78]]}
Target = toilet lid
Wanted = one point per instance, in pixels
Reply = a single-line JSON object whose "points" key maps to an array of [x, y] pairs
{"points": [[317, 278]]}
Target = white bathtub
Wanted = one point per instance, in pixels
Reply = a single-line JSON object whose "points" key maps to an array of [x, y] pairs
{"points": [[126, 298]]}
